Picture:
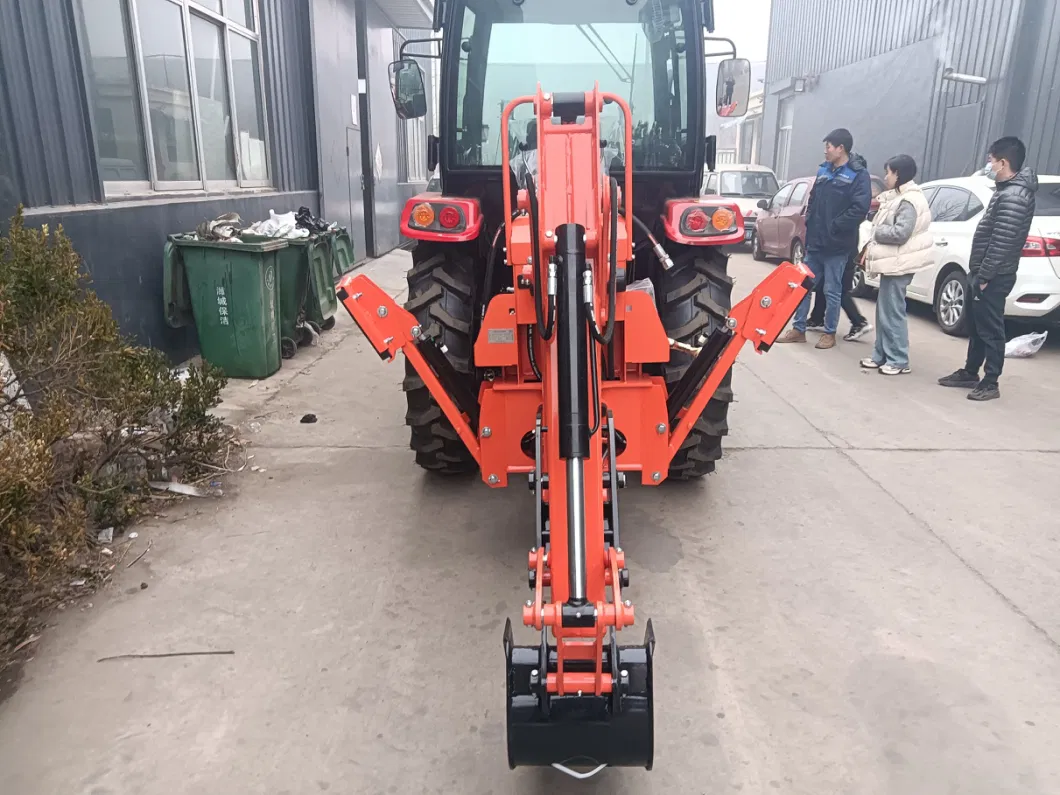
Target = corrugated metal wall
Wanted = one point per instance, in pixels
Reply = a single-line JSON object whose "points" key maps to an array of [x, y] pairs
{"points": [[289, 86], [851, 48], [46, 152]]}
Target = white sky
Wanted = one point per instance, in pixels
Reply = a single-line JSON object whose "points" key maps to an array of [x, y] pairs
{"points": [[746, 22]]}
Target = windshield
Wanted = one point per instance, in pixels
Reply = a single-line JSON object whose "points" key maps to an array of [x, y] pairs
{"points": [[636, 51], [752, 184]]}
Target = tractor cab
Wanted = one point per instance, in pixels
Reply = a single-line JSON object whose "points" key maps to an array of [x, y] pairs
{"points": [[650, 52]]}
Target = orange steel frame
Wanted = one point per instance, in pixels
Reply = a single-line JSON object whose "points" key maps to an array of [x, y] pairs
{"points": [[572, 189]]}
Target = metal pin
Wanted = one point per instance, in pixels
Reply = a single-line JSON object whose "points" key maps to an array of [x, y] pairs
{"points": [[792, 285], [529, 603], [388, 340], [730, 322], [628, 603], [357, 296], [487, 432], [656, 476], [660, 428], [761, 332], [493, 480], [416, 331]]}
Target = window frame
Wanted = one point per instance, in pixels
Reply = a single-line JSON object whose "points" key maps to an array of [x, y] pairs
{"points": [[960, 217], [153, 186], [775, 203]]}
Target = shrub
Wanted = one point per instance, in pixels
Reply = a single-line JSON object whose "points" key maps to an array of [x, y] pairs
{"points": [[87, 420]]}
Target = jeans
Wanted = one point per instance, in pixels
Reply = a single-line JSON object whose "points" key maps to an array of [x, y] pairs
{"points": [[892, 328], [850, 308], [986, 325], [829, 267]]}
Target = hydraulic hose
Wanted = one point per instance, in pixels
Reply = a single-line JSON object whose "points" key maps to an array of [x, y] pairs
{"points": [[604, 337], [491, 264], [656, 246], [530, 351], [545, 326]]}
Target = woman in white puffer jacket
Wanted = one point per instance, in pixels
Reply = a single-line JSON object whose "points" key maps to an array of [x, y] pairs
{"points": [[900, 244]]}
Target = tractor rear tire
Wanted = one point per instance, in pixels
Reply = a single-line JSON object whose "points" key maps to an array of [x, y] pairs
{"points": [[694, 298], [441, 296]]}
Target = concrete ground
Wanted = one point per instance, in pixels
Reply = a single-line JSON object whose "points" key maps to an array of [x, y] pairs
{"points": [[864, 599]]}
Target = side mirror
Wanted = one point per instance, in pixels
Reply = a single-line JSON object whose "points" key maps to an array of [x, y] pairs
{"points": [[712, 152], [734, 87], [407, 89], [763, 204]]}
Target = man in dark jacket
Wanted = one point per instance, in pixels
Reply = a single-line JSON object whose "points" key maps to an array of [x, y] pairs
{"points": [[996, 251], [838, 204]]}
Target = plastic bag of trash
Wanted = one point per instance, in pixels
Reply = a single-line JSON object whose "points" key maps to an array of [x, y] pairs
{"points": [[1025, 346], [282, 225], [643, 286]]}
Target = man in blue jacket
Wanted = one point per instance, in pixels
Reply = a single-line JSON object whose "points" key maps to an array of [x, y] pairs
{"points": [[838, 204]]}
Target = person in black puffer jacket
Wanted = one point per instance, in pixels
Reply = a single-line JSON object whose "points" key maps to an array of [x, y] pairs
{"points": [[996, 251]]}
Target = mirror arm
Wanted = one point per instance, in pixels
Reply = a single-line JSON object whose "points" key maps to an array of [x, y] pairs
{"points": [[407, 42], [730, 42]]}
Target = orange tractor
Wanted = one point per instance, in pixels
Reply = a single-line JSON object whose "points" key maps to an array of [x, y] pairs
{"points": [[569, 318]]}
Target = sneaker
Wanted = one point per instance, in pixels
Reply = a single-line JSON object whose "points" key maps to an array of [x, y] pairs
{"points": [[858, 331], [961, 379], [814, 325], [869, 364], [890, 369], [984, 391], [825, 342], [792, 335]]}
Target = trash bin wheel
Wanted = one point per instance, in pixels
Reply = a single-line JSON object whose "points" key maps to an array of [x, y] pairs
{"points": [[288, 347], [329, 324]]}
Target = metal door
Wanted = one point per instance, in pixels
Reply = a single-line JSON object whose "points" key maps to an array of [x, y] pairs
{"points": [[355, 174]]}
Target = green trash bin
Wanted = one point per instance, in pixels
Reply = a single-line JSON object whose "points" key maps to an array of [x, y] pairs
{"points": [[293, 288], [342, 260], [321, 301], [235, 302]]}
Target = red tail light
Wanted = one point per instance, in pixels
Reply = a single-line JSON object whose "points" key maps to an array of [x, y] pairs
{"points": [[1041, 247], [449, 217], [696, 221]]}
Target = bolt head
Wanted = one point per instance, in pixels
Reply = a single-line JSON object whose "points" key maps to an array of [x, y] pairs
{"points": [[628, 603], [416, 332], [529, 603], [381, 311], [660, 428], [548, 234], [730, 322], [494, 480], [624, 673], [656, 476], [766, 302], [579, 693], [487, 432]]}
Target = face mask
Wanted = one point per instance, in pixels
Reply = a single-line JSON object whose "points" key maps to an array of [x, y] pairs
{"points": [[990, 173]]}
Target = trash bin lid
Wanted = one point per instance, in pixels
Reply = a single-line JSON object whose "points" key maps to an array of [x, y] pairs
{"points": [[255, 246]]}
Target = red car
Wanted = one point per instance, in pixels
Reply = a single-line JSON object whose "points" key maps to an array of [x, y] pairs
{"points": [[781, 227]]}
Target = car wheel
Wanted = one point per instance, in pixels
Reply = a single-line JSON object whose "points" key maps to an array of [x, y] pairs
{"points": [[951, 304], [756, 248], [859, 288], [798, 253]]}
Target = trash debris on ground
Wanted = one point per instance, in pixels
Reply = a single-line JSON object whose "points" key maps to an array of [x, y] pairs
{"points": [[308, 419], [77, 584], [134, 535], [254, 427], [105, 536], [25, 643], [1025, 346], [183, 488], [143, 586], [106, 551], [168, 654], [138, 557]]}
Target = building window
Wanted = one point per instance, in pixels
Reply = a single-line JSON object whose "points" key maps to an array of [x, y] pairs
{"points": [[786, 122], [177, 95]]}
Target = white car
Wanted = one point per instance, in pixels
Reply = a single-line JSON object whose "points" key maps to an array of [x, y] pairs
{"points": [[745, 184], [957, 206]]}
